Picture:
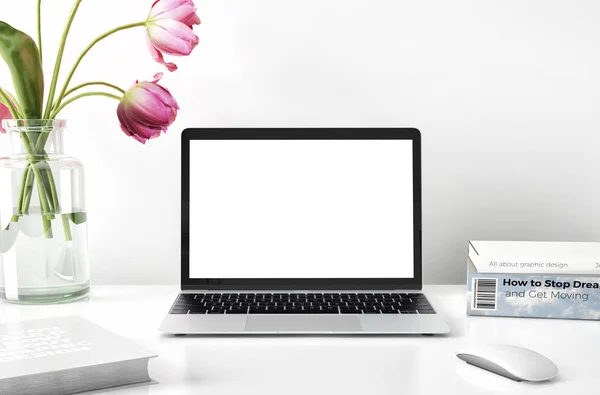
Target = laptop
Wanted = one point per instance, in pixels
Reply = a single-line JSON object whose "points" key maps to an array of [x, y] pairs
{"points": [[301, 231]]}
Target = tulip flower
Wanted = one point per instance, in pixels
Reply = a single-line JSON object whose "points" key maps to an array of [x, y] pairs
{"points": [[170, 30], [4, 114], [146, 110]]}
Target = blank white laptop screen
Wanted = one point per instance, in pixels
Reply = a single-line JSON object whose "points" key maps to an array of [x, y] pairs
{"points": [[301, 209]]}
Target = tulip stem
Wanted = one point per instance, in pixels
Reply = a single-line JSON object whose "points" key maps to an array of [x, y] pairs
{"points": [[8, 103], [59, 56], [59, 109], [62, 94], [39, 27], [14, 101], [94, 83]]}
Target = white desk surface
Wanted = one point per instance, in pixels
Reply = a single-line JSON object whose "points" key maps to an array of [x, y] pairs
{"points": [[334, 365]]}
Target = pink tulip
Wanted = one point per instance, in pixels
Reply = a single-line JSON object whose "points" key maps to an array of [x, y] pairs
{"points": [[146, 110], [170, 29], [4, 114]]}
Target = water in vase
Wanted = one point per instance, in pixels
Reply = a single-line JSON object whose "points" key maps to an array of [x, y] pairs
{"points": [[44, 260]]}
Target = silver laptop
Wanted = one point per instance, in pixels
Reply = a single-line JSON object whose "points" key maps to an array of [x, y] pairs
{"points": [[301, 231]]}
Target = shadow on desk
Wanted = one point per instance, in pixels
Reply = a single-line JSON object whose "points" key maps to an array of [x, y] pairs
{"points": [[307, 335], [139, 386]]}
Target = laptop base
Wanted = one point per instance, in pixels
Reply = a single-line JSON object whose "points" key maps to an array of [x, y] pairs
{"points": [[303, 324]]}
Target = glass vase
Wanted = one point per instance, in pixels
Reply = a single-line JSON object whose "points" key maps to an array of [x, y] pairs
{"points": [[43, 227]]}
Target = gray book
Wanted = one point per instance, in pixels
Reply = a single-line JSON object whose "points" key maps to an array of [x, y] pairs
{"points": [[67, 355]]}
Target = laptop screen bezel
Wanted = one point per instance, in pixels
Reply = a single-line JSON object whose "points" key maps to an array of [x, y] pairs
{"points": [[189, 135]]}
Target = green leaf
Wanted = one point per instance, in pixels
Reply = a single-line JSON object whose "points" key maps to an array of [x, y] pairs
{"points": [[21, 54], [78, 218]]}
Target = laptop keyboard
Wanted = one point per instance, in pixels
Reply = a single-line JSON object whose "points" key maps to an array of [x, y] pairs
{"points": [[302, 303]]}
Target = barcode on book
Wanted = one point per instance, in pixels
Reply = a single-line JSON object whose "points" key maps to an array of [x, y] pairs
{"points": [[484, 293]]}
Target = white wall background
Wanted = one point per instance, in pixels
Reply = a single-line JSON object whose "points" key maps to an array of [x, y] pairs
{"points": [[506, 94]]}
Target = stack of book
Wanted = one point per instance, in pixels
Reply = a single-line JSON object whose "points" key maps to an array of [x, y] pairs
{"points": [[534, 279]]}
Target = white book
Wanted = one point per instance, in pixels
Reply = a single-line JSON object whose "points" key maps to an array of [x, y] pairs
{"points": [[67, 355], [539, 257]]}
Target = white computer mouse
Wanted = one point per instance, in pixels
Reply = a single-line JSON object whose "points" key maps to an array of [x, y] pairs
{"points": [[516, 363]]}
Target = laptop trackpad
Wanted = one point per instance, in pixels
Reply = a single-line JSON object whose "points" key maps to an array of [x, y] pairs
{"points": [[302, 323]]}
